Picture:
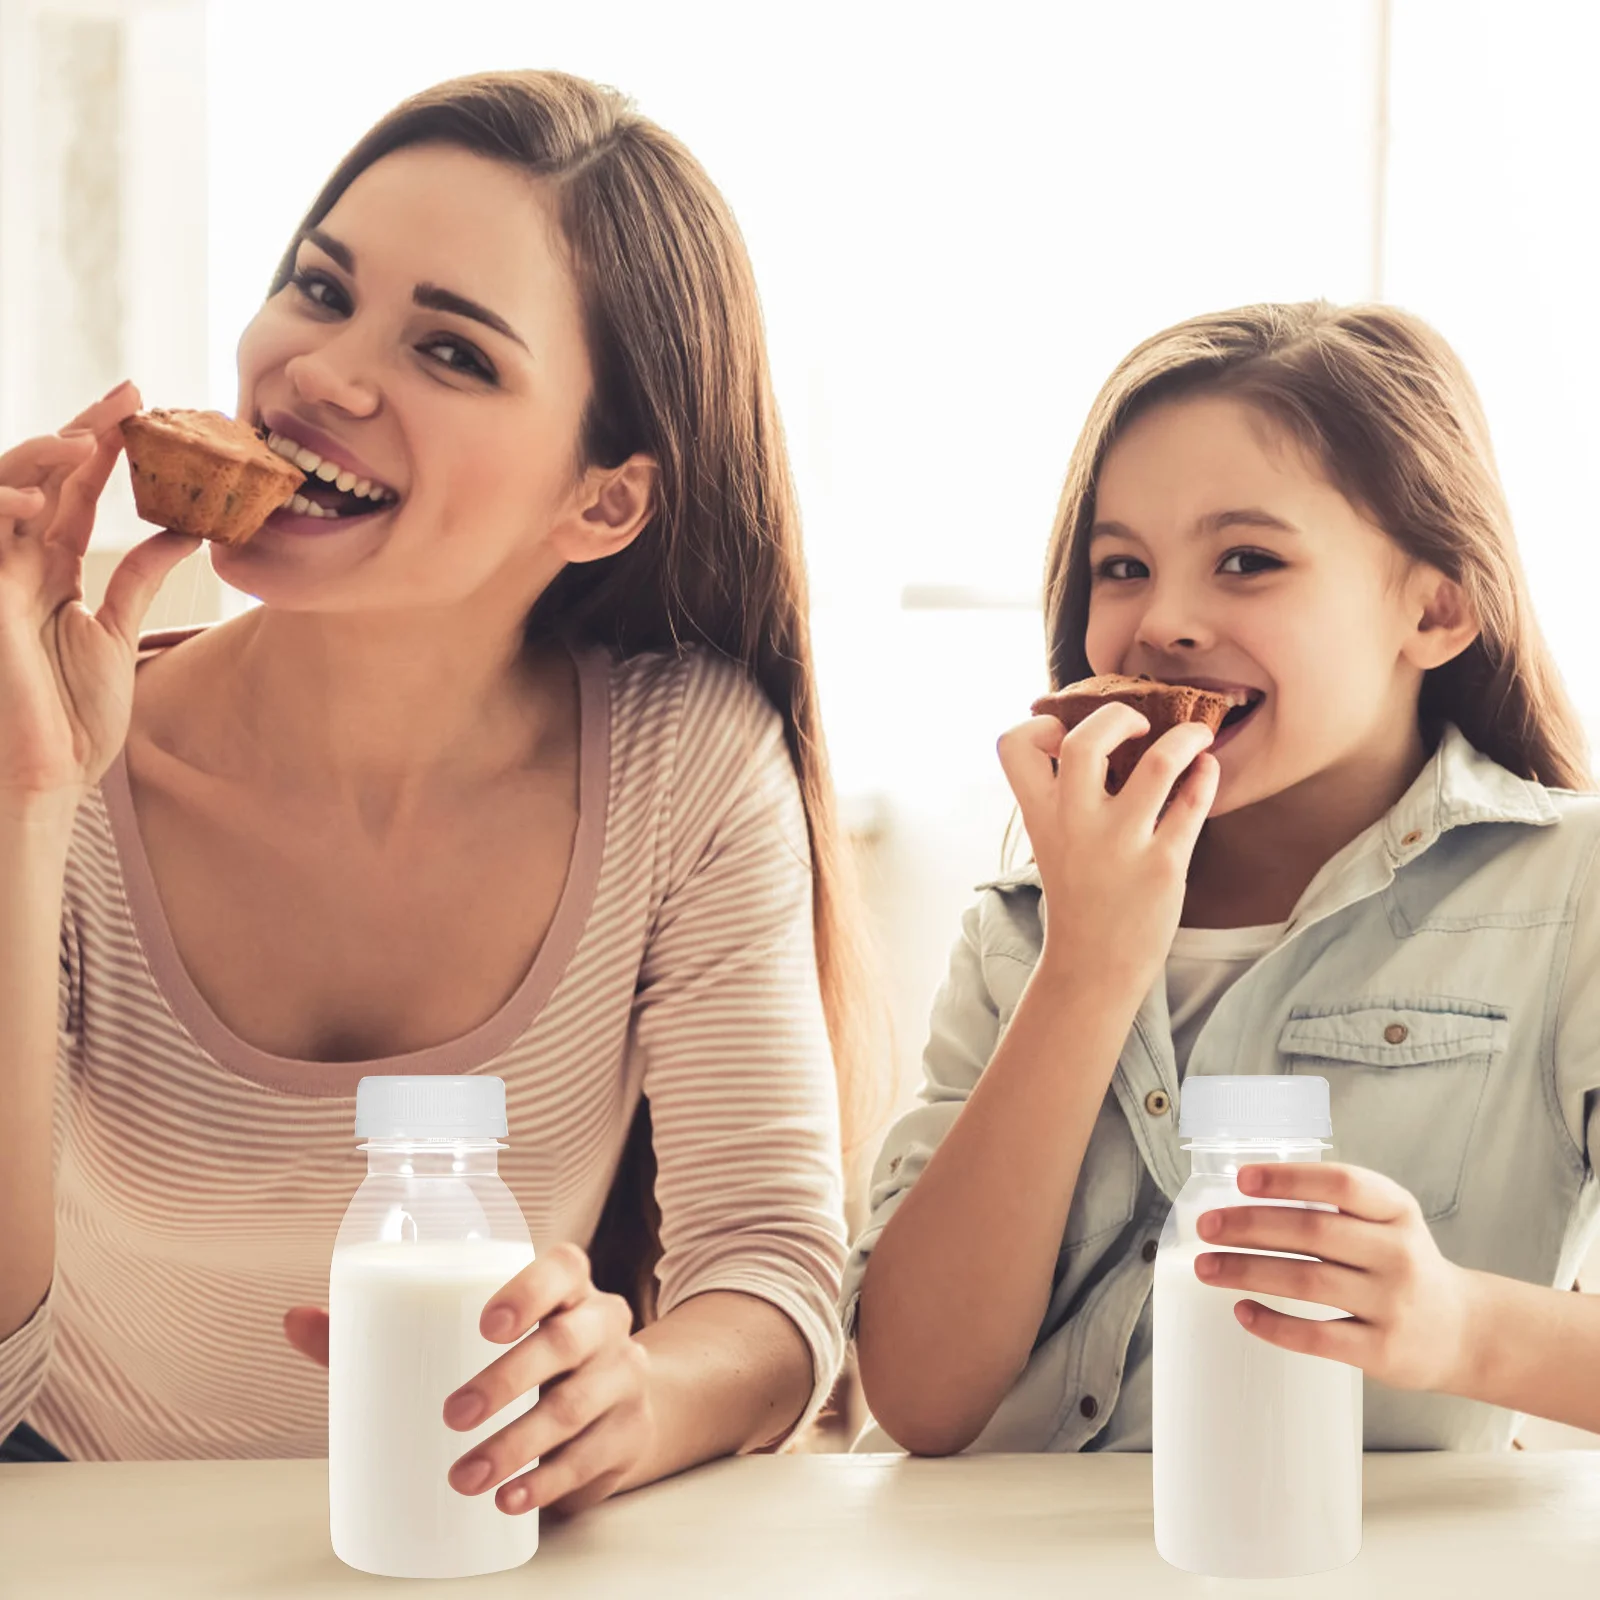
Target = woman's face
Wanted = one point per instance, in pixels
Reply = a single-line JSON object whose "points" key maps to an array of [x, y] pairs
{"points": [[430, 345], [1221, 556]]}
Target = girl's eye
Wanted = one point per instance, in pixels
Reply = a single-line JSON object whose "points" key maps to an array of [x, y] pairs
{"points": [[1254, 561], [459, 356], [1113, 569], [320, 290]]}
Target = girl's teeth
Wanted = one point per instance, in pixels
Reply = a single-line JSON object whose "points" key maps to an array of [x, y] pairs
{"points": [[327, 471], [299, 503], [364, 487], [307, 460], [346, 481]]}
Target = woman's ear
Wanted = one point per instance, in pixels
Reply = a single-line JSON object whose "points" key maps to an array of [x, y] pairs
{"points": [[1444, 624], [610, 509]]}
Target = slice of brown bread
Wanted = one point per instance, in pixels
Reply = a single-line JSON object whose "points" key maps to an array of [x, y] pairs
{"points": [[1165, 704], [201, 473]]}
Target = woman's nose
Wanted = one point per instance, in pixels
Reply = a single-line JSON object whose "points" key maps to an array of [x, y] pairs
{"points": [[329, 376]]}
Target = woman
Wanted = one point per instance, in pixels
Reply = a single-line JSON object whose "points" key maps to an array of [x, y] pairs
{"points": [[516, 769]]}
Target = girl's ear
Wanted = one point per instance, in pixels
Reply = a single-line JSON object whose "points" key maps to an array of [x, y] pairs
{"points": [[1445, 625], [609, 510]]}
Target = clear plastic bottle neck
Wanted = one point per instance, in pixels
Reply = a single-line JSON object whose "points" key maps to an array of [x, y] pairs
{"points": [[432, 1158], [1223, 1157]]}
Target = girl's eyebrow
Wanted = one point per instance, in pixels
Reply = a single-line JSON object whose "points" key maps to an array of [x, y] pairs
{"points": [[1213, 522], [429, 295]]}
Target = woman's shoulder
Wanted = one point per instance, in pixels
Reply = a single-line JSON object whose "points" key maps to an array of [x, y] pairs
{"points": [[691, 675], [704, 706]]}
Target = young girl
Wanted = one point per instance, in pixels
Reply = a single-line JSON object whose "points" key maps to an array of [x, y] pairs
{"points": [[1379, 873], [518, 773]]}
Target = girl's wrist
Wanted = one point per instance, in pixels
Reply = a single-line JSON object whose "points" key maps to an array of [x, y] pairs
{"points": [[1073, 976]]}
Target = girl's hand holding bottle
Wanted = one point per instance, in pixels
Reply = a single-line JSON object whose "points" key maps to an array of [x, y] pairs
{"points": [[593, 1425], [66, 674], [1410, 1309], [1113, 865]]}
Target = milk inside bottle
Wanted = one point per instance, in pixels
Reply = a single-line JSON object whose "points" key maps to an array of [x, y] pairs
{"points": [[1256, 1451], [430, 1236]]}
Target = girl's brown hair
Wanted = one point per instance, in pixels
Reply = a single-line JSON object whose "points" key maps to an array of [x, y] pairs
{"points": [[680, 374], [1386, 408]]}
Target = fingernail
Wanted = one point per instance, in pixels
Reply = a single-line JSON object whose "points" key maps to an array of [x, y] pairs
{"points": [[1207, 1266], [516, 1497], [498, 1321], [111, 394], [473, 1474], [1209, 1225], [465, 1409]]}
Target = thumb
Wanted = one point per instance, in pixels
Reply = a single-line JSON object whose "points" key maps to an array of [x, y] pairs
{"points": [[139, 575], [306, 1328]]}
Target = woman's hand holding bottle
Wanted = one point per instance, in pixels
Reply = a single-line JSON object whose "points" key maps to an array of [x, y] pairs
{"points": [[1113, 866], [66, 674]]}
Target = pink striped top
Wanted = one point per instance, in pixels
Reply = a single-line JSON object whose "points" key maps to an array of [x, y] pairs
{"points": [[200, 1181]]}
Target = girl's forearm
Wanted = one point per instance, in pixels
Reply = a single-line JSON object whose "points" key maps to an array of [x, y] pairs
{"points": [[1535, 1350], [728, 1373], [958, 1284]]}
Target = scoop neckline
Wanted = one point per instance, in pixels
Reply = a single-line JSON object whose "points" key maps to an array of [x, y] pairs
{"points": [[467, 1052]]}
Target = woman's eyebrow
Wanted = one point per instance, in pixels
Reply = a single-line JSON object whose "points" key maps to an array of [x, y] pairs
{"points": [[429, 295], [437, 299], [332, 248]]}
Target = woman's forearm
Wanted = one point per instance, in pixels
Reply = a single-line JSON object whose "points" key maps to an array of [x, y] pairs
{"points": [[34, 838], [960, 1280], [728, 1373], [1535, 1350]]}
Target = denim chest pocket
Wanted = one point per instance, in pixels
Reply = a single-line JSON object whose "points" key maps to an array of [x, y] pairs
{"points": [[1405, 1081]]}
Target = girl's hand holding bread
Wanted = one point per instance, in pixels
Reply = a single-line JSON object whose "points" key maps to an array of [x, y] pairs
{"points": [[1113, 865], [66, 674]]}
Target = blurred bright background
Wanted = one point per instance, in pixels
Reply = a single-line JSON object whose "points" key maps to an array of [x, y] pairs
{"points": [[960, 216]]}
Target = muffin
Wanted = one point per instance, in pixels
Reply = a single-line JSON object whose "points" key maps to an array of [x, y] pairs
{"points": [[1165, 704], [201, 473]]}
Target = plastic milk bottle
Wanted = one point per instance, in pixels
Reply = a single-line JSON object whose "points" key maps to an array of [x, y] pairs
{"points": [[1256, 1451], [430, 1236]]}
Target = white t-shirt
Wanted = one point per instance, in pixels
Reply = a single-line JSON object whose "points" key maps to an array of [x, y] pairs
{"points": [[1201, 965]]}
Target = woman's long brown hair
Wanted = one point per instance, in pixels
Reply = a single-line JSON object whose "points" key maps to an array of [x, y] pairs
{"points": [[1385, 406], [680, 374]]}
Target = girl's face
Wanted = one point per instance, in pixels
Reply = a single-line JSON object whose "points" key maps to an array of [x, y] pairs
{"points": [[1221, 556], [430, 345]]}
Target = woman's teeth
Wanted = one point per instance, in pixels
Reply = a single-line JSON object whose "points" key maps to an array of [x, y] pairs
{"points": [[313, 465]]}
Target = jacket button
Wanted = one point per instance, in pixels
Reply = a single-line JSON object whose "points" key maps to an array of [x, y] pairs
{"points": [[1157, 1103], [1149, 1251], [1414, 837], [1088, 1405], [1397, 1033]]}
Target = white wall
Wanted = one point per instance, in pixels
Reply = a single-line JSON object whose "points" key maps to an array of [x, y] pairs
{"points": [[959, 219]]}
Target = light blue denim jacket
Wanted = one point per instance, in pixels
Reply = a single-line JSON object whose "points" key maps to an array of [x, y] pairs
{"points": [[1467, 917]]}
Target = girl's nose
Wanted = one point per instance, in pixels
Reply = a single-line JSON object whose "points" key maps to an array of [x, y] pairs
{"points": [[329, 377], [1170, 623]]}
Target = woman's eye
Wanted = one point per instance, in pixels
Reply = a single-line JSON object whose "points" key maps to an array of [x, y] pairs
{"points": [[320, 290], [1252, 561], [459, 356], [1115, 569]]}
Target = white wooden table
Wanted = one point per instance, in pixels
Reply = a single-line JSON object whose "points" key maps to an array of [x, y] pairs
{"points": [[1519, 1526]]}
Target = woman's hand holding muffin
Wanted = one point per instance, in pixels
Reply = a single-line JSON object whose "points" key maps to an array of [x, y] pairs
{"points": [[66, 674]]}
